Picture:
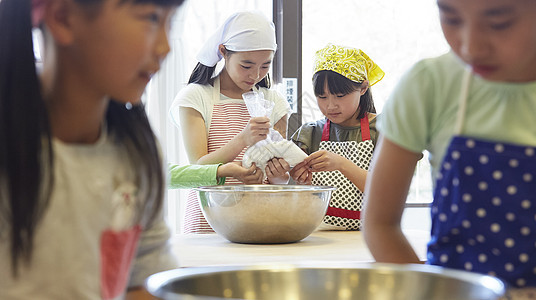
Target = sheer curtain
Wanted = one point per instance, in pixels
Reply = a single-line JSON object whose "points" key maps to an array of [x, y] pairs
{"points": [[192, 25]]}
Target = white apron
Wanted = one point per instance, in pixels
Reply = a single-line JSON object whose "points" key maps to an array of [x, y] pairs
{"points": [[344, 211]]}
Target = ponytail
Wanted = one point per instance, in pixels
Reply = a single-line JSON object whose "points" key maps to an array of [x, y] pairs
{"points": [[24, 132], [202, 74]]}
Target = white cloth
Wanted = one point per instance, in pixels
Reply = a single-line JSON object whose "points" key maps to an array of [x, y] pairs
{"points": [[261, 153], [274, 146], [242, 31], [66, 262]]}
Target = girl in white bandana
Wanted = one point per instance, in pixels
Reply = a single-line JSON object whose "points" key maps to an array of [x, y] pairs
{"points": [[81, 179], [211, 113]]}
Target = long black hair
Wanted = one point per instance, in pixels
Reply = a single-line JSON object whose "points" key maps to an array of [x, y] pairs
{"points": [[340, 85], [26, 155], [205, 75]]}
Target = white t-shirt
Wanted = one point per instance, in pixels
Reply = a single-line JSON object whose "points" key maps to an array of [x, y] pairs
{"points": [[91, 181], [200, 97]]}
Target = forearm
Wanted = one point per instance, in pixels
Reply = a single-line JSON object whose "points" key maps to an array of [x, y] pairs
{"points": [[225, 154], [354, 173], [387, 188], [282, 125], [388, 244]]}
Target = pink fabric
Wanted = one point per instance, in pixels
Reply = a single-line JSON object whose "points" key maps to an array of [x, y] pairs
{"points": [[38, 12], [228, 120], [117, 250]]}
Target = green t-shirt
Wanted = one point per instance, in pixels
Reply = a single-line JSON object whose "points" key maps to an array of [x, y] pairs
{"points": [[421, 112]]}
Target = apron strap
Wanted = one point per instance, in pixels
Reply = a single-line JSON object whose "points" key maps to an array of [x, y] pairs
{"points": [[325, 131], [365, 129], [216, 90], [462, 102]]}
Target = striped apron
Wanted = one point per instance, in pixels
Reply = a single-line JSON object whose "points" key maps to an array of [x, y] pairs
{"points": [[229, 118]]}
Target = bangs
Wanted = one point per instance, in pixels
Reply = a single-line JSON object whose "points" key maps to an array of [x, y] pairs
{"points": [[337, 84]]}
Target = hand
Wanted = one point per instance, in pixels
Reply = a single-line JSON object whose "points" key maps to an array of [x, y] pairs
{"points": [[301, 173], [323, 160], [256, 130], [252, 175], [277, 171]]}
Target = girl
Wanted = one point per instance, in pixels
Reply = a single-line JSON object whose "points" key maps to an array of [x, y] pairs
{"points": [[473, 109], [81, 179], [213, 117], [341, 145]]}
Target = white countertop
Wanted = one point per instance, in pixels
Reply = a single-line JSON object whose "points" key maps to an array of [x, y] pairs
{"points": [[212, 249]]}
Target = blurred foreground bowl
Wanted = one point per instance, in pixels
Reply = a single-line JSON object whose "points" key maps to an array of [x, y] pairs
{"points": [[264, 214], [324, 281]]}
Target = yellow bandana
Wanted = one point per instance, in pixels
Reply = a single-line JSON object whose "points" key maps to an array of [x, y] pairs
{"points": [[351, 63]]}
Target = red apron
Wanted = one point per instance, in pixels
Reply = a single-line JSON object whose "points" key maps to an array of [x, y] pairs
{"points": [[344, 209]]}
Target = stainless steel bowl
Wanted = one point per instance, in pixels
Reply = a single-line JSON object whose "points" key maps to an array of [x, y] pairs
{"points": [[324, 281], [264, 214]]}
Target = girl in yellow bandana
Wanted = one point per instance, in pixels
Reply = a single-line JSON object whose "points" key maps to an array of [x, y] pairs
{"points": [[340, 146]]}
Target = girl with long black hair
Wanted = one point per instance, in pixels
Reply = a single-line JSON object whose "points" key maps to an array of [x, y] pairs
{"points": [[81, 178]]}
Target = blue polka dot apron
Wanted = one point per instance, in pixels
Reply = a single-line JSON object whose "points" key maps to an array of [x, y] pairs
{"points": [[484, 208], [344, 211]]}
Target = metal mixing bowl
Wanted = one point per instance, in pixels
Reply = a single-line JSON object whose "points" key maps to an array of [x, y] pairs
{"points": [[324, 281], [264, 214]]}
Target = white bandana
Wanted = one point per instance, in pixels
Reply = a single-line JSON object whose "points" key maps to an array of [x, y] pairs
{"points": [[242, 31]]}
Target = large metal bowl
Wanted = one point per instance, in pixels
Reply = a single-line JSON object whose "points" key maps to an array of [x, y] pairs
{"points": [[324, 281], [264, 214]]}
